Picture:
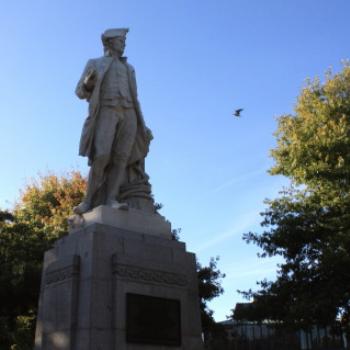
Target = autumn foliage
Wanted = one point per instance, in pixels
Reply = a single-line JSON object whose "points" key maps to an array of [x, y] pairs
{"points": [[37, 220]]}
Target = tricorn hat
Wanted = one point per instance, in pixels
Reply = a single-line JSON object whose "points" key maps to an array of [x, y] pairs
{"points": [[112, 33]]}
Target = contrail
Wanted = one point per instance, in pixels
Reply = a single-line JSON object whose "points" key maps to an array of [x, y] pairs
{"points": [[248, 220], [240, 178]]}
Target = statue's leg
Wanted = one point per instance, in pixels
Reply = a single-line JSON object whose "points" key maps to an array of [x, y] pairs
{"points": [[103, 140], [115, 179], [95, 181], [121, 151], [96, 176]]}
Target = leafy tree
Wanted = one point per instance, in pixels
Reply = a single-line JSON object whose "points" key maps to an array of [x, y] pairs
{"points": [[309, 224], [209, 286], [20, 260], [46, 204], [37, 220]]}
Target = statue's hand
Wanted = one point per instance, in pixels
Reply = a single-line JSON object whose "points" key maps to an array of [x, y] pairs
{"points": [[90, 80]]}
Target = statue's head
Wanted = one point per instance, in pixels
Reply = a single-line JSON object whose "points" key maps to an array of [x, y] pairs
{"points": [[114, 40]]}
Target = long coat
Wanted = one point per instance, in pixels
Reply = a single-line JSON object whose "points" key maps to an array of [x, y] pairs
{"points": [[99, 66]]}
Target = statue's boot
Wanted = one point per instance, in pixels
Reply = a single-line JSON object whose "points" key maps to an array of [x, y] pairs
{"points": [[82, 208], [115, 178], [95, 181]]}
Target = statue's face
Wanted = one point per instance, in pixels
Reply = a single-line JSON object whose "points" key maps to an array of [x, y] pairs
{"points": [[117, 45]]}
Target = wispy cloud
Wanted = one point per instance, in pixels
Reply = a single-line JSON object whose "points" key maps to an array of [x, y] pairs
{"points": [[253, 266], [261, 272], [236, 179], [239, 227]]}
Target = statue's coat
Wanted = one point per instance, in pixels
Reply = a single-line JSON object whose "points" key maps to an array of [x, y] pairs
{"points": [[100, 66]]}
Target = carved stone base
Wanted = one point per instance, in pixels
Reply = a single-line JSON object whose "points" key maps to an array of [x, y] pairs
{"points": [[105, 288], [130, 220]]}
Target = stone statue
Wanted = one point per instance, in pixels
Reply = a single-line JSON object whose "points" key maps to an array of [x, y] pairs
{"points": [[114, 138]]}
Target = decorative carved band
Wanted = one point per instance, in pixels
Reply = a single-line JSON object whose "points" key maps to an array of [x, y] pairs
{"points": [[148, 275], [61, 274]]}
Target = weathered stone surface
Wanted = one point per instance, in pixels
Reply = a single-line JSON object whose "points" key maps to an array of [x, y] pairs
{"points": [[56, 326], [114, 137], [132, 220], [88, 275]]}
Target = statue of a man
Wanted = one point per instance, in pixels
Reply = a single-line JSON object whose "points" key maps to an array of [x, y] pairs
{"points": [[114, 137]]}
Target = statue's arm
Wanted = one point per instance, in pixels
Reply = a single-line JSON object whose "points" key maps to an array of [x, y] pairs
{"points": [[87, 81]]}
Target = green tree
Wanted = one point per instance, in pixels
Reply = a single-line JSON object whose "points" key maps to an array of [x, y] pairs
{"points": [[37, 220], [20, 260], [209, 287], [309, 224]]}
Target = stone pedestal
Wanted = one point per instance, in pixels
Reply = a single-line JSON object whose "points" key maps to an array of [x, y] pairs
{"points": [[109, 288]]}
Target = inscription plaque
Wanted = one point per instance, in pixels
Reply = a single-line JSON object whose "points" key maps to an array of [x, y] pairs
{"points": [[153, 320]]}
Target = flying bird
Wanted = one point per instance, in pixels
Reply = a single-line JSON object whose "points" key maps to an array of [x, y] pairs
{"points": [[237, 112]]}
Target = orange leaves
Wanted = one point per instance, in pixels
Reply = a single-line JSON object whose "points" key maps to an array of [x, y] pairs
{"points": [[47, 202]]}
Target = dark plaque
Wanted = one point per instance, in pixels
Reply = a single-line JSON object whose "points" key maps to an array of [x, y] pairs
{"points": [[151, 320]]}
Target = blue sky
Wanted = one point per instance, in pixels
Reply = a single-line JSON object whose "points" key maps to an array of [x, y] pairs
{"points": [[196, 62]]}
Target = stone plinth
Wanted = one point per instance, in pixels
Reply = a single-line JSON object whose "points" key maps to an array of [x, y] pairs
{"points": [[109, 288], [131, 220]]}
